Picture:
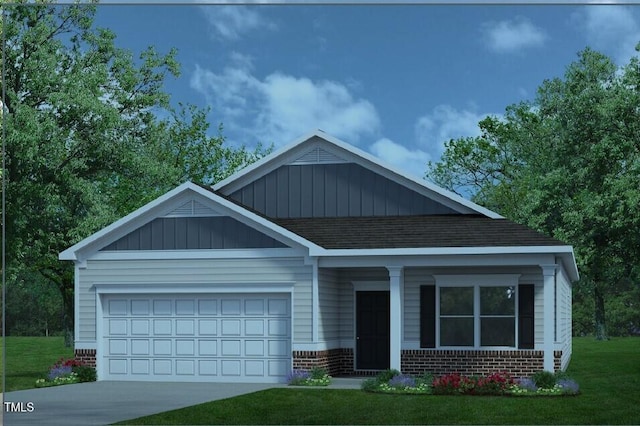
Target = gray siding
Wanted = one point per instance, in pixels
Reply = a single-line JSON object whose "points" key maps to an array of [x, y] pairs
{"points": [[191, 233], [329, 316], [206, 271], [332, 190]]}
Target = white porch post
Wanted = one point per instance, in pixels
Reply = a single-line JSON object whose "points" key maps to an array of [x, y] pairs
{"points": [[549, 274], [395, 314]]}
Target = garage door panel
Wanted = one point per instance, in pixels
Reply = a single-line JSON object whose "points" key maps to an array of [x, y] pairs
{"points": [[254, 327], [140, 307], [230, 327], [140, 367], [117, 327], [140, 347], [197, 338], [208, 327], [140, 327], [185, 327]]}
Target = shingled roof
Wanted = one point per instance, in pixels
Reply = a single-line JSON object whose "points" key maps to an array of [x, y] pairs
{"points": [[415, 232]]}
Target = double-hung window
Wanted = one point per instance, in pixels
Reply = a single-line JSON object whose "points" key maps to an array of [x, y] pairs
{"points": [[476, 311]]}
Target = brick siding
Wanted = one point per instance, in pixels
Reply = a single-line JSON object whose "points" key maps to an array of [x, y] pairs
{"points": [[86, 356], [337, 362], [518, 363]]}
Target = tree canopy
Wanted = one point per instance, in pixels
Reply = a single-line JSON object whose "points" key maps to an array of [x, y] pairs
{"points": [[90, 136], [568, 164]]}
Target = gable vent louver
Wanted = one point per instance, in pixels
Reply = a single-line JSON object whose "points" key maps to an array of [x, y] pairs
{"points": [[193, 208], [318, 156]]}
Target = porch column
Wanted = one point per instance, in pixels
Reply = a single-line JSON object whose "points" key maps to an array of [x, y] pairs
{"points": [[548, 313], [395, 315]]}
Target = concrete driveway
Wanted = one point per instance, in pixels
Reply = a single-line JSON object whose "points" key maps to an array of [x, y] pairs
{"points": [[105, 402]]}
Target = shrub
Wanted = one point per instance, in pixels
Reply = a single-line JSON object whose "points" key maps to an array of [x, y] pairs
{"points": [[494, 384], [316, 377], [386, 375], [297, 377], [401, 381], [451, 384], [544, 379], [569, 386], [370, 385], [318, 373], [85, 373]]}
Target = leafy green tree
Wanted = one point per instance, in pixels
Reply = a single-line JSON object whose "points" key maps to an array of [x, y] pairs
{"points": [[566, 164], [84, 141]]}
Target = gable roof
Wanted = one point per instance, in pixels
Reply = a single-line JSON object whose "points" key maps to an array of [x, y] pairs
{"points": [[318, 146], [167, 205]]}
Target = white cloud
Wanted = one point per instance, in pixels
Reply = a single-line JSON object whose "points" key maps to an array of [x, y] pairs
{"points": [[443, 123], [281, 107], [512, 35], [232, 21], [612, 29], [412, 162]]}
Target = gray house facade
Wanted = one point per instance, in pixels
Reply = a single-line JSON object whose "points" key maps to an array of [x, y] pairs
{"points": [[318, 255]]}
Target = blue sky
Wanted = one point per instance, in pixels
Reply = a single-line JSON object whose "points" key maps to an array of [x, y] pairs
{"points": [[395, 80]]}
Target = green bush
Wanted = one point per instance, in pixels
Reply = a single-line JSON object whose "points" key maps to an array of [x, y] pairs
{"points": [[318, 373], [544, 379], [370, 385], [386, 375], [85, 373]]}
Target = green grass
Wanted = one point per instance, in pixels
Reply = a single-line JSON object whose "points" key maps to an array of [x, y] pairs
{"points": [[29, 358], [608, 374]]}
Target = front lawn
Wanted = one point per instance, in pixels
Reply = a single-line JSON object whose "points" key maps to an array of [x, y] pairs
{"points": [[608, 374], [29, 359]]}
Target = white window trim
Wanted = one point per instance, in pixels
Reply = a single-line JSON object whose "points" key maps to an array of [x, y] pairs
{"points": [[476, 281]]}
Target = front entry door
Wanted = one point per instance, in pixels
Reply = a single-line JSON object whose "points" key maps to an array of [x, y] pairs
{"points": [[372, 330]]}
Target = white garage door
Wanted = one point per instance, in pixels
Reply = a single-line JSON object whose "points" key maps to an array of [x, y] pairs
{"points": [[212, 338]]}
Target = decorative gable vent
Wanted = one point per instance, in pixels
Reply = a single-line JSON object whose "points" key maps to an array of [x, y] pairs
{"points": [[318, 156], [193, 208]]}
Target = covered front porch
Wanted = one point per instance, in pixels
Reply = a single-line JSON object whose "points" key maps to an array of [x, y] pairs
{"points": [[368, 317]]}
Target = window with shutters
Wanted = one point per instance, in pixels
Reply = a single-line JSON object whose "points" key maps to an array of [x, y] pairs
{"points": [[477, 315]]}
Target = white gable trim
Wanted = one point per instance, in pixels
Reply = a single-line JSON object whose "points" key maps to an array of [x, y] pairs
{"points": [[167, 203], [292, 152]]}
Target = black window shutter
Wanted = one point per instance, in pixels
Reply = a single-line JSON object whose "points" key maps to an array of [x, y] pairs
{"points": [[525, 316], [428, 316]]}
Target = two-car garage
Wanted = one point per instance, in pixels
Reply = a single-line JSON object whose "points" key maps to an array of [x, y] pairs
{"points": [[203, 337]]}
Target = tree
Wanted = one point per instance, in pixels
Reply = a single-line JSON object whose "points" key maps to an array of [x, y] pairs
{"points": [[84, 141], [566, 164]]}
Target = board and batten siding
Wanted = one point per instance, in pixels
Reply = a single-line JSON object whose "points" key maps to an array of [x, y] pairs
{"points": [[332, 190], [192, 233], [200, 271]]}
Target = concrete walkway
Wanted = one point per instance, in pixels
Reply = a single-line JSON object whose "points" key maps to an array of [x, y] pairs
{"points": [[106, 402]]}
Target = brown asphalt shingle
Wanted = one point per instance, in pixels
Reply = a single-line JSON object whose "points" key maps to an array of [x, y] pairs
{"points": [[415, 232]]}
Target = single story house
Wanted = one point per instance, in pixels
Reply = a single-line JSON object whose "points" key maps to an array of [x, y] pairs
{"points": [[319, 255]]}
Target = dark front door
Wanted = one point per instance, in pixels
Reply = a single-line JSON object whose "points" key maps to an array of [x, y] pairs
{"points": [[372, 330]]}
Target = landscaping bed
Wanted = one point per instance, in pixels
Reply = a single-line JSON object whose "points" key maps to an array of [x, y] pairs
{"points": [[542, 383]]}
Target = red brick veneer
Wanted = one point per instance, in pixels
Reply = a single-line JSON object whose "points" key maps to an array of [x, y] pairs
{"points": [[337, 362], [86, 356], [519, 363]]}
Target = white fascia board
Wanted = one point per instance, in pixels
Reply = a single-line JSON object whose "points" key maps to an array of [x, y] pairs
{"points": [[154, 209], [198, 254], [431, 251], [194, 288], [282, 156]]}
